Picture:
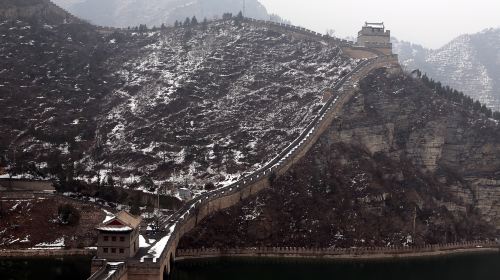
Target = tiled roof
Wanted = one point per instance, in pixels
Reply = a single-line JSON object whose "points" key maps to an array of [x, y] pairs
{"points": [[129, 219], [122, 222]]}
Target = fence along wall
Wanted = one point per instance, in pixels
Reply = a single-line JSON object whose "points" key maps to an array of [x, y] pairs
{"points": [[295, 252], [301, 30], [269, 24], [29, 253], [349, 46]]}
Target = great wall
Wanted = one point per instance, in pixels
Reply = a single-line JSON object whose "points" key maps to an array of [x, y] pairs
{"points": [[147, 265], [46, 252], [364, 253]]}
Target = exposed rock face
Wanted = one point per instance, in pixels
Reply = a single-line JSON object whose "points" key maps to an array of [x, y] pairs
{"points": [[443, 140], [399, 154]]}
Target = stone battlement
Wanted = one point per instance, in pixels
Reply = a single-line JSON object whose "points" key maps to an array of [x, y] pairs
{"points": [[374, 35], [302, 252]]}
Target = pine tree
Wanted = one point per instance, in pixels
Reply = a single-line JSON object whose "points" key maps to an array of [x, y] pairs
{"points": [[240, 15], [496, 116], [143, 27], [204, 24], [477, 105], [135, 208], [489, 112], [187, 22], [68, 214], [176, 24], [194, 21]]}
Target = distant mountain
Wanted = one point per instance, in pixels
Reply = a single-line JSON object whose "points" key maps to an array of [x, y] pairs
{"points": [[123, 13], [38, 10], [469, 63]]}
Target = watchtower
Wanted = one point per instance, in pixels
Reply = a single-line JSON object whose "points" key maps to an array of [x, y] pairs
{"points": [[373, 35], [118, 237]]}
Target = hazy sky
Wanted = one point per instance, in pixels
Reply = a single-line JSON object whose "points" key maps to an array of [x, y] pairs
{"points": [[431, 23]]}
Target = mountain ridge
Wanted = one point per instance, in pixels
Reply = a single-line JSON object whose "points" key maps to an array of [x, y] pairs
{"points": [[120, 13], [469, 63]]}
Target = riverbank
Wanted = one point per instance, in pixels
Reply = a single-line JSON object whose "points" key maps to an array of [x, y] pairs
{"points": [[375, 253]]}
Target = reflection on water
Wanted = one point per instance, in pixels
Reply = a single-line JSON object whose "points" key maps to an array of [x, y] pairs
{"points": [[68, 268], [471, 267]]}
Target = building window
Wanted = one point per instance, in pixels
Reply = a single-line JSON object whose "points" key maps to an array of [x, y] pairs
{"points": [[113, 250], [106, 238], [113, 238], [122, 251], [105, 250], [122, 238]]}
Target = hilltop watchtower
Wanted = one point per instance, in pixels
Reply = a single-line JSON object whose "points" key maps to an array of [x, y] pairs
{"points": [[374, 36]]}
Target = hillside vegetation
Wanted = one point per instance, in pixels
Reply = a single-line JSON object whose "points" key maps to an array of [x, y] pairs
{"points": [[173, 107]]}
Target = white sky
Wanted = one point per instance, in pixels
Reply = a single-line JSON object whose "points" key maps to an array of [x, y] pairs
{"points": [[431, 23]]}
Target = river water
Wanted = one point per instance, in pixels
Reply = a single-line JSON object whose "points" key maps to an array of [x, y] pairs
{"points": [[68, 268], [470, 267]]}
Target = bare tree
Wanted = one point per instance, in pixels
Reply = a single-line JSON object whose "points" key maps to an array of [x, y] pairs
{"points": [[330, 32]]}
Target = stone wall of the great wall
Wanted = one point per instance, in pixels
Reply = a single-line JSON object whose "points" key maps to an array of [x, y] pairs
{"points": [[340, 253], [222, 199]]}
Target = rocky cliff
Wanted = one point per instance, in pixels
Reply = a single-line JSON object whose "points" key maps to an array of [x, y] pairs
{"points": [[403, 165]]}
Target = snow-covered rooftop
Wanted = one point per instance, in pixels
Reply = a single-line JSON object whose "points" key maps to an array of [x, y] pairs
{"points": [[115, 228], [375, 25]]}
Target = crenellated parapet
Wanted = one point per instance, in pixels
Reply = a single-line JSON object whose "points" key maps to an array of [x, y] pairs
{"points": [[301, 30], [336, 253]]}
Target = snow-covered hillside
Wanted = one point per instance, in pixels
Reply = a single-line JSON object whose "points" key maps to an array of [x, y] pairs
{"points": [[205, 106], [469, 63], [185, 106]]}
